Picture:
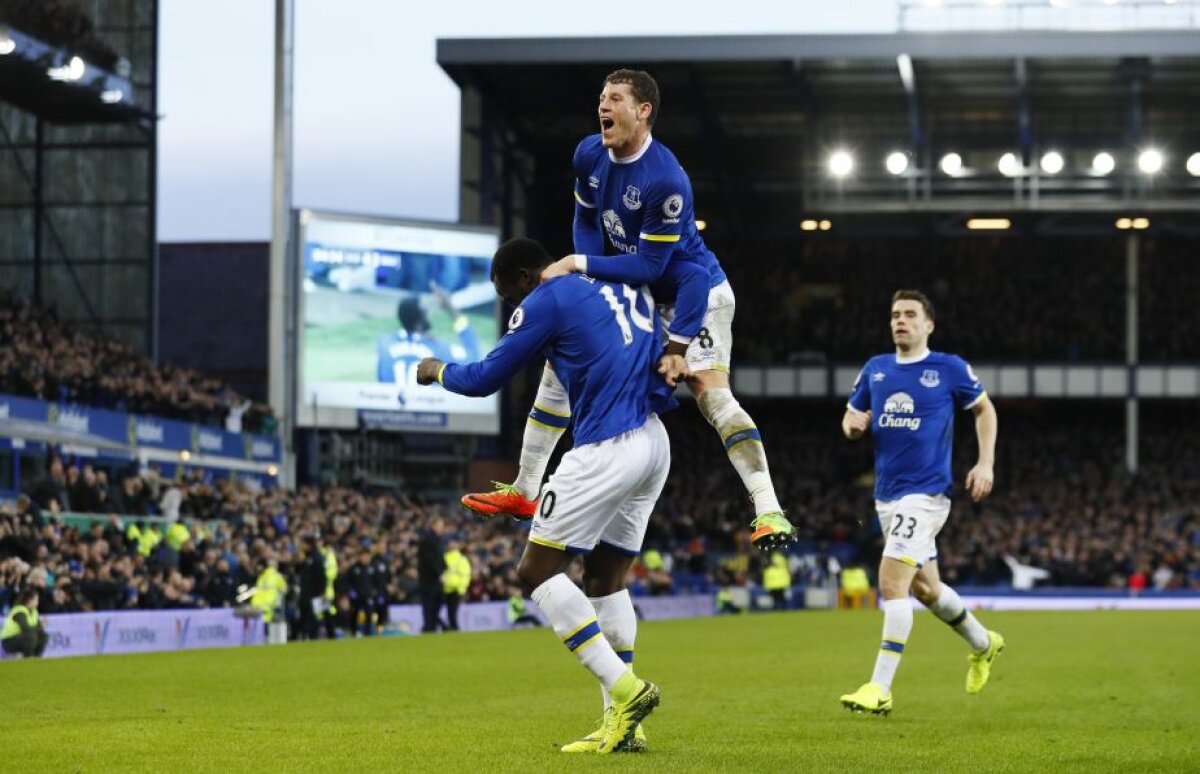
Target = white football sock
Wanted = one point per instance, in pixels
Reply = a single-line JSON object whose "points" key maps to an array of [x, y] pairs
{"points": [[950, 608], [897, 625], [574, 621], [618, 621], [743, 444], [547, 420]]}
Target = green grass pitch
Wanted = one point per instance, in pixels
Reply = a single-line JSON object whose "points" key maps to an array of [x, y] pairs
{"points": [[1096, 691]]}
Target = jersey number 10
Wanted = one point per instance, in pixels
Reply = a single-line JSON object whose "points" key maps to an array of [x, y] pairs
{"points": [[643, 322]]}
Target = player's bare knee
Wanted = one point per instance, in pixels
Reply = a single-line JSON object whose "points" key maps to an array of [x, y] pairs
{"points": [[895, 581], [534, 570], [604, 572], [926, 592], [602, 585], [893, 589]]}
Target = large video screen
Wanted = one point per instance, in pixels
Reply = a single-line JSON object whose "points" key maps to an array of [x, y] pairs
{"points": [[376, 297]]}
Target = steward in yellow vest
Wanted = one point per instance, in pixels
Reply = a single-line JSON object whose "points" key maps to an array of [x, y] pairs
{"points": [[23, 633]]}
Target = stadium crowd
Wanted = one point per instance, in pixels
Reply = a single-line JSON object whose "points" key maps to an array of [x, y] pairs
{"points": [[43, 357], [1063, 500], [1063, 503]]}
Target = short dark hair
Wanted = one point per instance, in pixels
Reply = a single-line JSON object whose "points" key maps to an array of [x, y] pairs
{"points": [[915, 295], [643, 86], [412, 316], [27, 595], [517, 254]]}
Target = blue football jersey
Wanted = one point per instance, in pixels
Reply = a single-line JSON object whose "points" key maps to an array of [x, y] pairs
{"points": [[912, 406], [602, 340], [399, 353], [644, 206]]}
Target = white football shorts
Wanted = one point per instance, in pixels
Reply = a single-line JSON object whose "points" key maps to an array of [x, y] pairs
{"points": [[604, 492], [712, 349], [911, 526]]}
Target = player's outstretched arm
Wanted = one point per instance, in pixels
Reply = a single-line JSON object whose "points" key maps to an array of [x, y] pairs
{"points": [[531, 329], [855, 423], [981, 477]]}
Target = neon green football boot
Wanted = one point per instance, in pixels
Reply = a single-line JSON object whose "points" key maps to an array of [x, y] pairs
{"points": [[868, 698], [772, 530], [642, 697], [591, 742], [980, 664]]}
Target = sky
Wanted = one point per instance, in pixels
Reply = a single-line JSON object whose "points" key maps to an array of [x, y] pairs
{"points": [[376, 121]]}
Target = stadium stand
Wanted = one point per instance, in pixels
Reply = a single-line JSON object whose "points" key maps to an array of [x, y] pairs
{"points": [[42, 357], [1066, 506]]}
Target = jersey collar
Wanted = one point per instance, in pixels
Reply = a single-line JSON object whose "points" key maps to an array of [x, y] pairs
{"points": [[630, 159], [915, 359]]}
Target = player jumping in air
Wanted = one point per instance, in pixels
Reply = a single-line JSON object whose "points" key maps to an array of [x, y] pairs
{"points": [[603, 341], [907, 401], [631, 191]]}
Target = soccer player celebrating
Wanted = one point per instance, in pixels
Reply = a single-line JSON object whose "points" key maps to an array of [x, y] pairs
{"points": [[603, 342], [631, 190], [907, 401]]}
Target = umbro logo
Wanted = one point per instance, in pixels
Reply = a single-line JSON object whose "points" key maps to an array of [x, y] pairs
{"points": [[878, 377]]}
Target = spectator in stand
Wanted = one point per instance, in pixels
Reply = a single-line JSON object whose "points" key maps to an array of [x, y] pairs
{"points": [[172, 501], [221, 587], [53, 488]]}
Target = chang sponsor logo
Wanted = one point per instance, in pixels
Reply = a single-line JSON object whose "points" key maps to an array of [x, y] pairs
{"points": [[897, 412]]}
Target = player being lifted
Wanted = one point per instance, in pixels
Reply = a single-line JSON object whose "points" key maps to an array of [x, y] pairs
{"points": [[631, 190], [603, 341], [907, 401]]}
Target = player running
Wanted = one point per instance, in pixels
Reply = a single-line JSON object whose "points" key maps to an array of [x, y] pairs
{"points": [[631, 190], [907, 401], [603, 342]]}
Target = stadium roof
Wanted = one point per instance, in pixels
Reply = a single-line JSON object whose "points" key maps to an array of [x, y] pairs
{"points": [[755, 118]]}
